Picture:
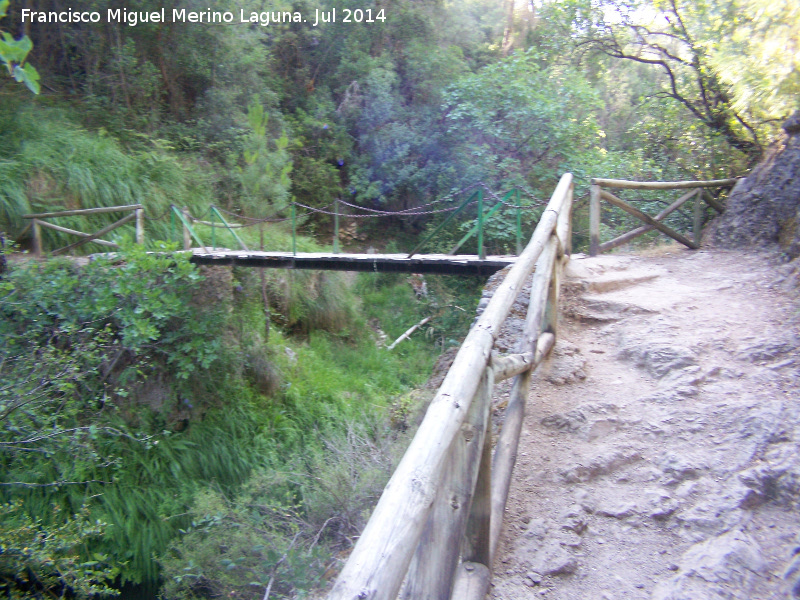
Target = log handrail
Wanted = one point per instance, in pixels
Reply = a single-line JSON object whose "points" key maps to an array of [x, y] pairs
{"points": [[699, 192], [663, 185], [83, 211], [437, 488], [37, 222]]}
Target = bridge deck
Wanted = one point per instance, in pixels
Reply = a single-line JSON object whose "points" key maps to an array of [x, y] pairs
{"points": [[378, 263]]}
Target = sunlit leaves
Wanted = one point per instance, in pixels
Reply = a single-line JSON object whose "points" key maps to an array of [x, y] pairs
{"points": [[758, 55]]}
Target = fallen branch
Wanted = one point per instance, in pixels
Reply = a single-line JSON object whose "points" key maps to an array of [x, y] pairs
{"points": [[278, 564], [408, 333]]}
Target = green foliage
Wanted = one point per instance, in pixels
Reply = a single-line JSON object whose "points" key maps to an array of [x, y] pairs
{"points": [[139, 398], [48, 163], [243, 445], [14, 54], [520, 124], [78, 346], [49, 558], [264, 178], [326, 448], [752, 44]]}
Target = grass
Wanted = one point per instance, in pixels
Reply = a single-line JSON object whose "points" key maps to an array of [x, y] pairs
{"points": [[48, 163]]}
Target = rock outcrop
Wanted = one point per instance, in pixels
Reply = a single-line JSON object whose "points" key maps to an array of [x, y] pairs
{"points": [[764, 208]]}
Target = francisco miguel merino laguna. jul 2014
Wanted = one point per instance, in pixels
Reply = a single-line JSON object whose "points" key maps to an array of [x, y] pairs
{"points": [[133, 18]]}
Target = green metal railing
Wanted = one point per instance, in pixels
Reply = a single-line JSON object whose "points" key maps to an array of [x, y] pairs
{"points": [[511, 200], [481, 220]]}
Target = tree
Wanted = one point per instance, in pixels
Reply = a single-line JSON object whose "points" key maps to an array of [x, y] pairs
{"points": [[756, 51], [521, 124], [265, 174], [673, 36]]}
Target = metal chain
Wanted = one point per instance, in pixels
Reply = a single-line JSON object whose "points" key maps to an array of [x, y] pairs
{"points": [[388, 214], [159, 217], [414, 211]]}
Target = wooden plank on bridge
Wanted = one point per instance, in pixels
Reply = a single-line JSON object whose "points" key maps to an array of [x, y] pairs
{"points": [[377, 263]]}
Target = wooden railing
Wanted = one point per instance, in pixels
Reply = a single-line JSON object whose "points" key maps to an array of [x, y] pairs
{"points": [[698, 192], [38, 221], [438, 522]]}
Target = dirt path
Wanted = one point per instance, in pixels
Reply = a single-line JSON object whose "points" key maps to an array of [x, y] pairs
{"points": [[660, 456]]}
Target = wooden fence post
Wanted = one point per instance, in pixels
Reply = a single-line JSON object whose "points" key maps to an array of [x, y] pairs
{"points": [[552, 299], [698, 216], [472, 582], [568, 208], [712, 202], [379, 561], [37, 239], [505, 455], [594, 220], [432, 570], [140, 226], [476, 546]]}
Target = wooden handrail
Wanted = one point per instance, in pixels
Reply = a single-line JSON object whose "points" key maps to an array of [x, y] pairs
{"points": [[663, 185], [37, 223], [700, 194], [433, 466], [84, 211]]}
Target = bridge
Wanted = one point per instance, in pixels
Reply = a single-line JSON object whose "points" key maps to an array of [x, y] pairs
{"points": [[205, 251], [441, 264], [436, 530]]}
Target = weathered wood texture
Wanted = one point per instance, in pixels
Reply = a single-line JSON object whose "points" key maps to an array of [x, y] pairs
{"points": [[564, 226], [713, 202], [511, 365], [553, 295], [75, 232], [475, 547], [472, 582], [373, 263], [662, 185], [594, 220], [37, 223], [83, 211], [634, 233], [697, 218], [379, 562], [432, 570], [506, 367], [619, 203], [505, 454], [140, 226], [92, 237], [37, 237]]}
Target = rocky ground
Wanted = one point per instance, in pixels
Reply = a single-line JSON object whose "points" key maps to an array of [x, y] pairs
{"points": [[660, 454]]}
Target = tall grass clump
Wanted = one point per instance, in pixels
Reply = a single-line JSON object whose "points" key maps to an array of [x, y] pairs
{"points": [[49, 163]]}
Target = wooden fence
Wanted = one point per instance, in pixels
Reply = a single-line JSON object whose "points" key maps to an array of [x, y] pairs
{"points": [[698, 192], [38, 221], [437, 525]]}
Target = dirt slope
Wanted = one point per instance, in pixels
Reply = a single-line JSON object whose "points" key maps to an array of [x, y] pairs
{"points": [[660, 456]]}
